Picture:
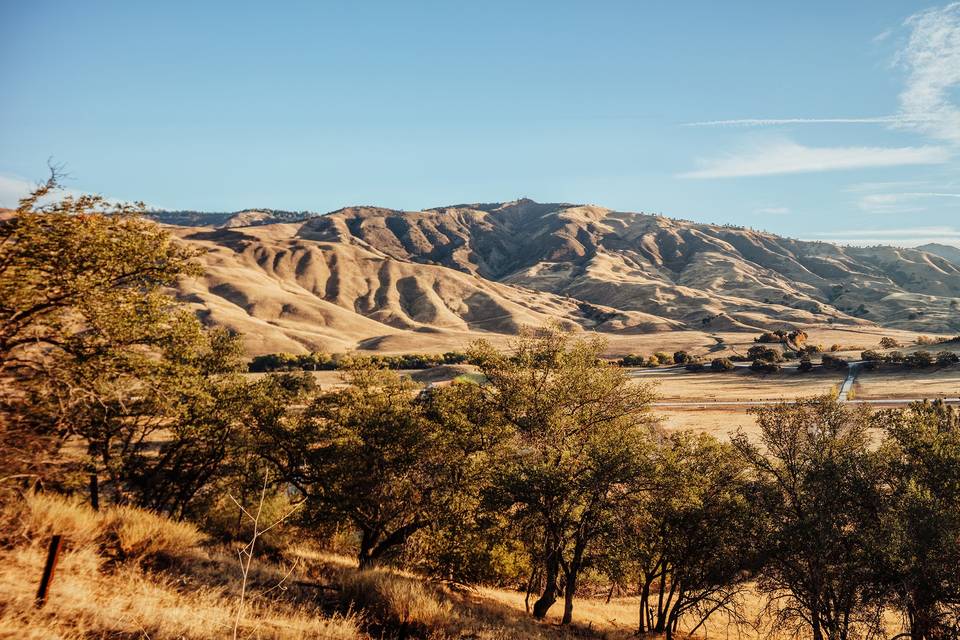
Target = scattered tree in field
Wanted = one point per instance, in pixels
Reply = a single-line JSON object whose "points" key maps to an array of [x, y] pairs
{"points": [[663, 358], [764, 366], [946, 358], [633, 360], [681, 357], [834, 362], [920, 359], [819, 504], [767, 354], [580, 437], [722, 364], [889, 343]]}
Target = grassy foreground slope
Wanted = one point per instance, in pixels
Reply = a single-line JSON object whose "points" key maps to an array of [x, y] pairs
{"points": [[127, 573]]}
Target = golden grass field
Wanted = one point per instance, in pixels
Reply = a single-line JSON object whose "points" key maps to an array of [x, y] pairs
{"points": [[741, 385], [908, 384]]}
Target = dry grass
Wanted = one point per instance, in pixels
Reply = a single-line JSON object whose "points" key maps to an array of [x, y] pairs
{"points": [[126, 573], [102, 588], [908, 384], [742, 385], [194, 595], [401, 602], [720, 422]]}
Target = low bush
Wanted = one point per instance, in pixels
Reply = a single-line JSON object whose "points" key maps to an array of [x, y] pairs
{"points": [[764, 366], [394, 601], [125, 533], [920, 359], [768, 354], [722, 364], [946, 358], [834, 362], [663, 358]]}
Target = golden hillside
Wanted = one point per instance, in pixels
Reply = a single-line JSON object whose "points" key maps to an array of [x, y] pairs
{"points": [[374, 278]]}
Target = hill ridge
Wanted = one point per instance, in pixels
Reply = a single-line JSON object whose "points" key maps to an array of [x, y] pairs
{"points": [[365, 272]]}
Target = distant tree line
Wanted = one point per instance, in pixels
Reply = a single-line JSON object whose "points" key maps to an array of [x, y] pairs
{"points": [[320, 361], [552, 475]]}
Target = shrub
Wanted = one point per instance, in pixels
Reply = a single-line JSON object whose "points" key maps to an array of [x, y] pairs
{"points": [[805, 365], [834, 362], [872, 356], [632, 360], [695, 365], [760, 352], [663, 358], [888, 343], [945, 358], [681, 357], [896, 357], [764, 366], [130, 534], [920, 359], [770, 337], [393, 600], [143, 536], [722, 364]]}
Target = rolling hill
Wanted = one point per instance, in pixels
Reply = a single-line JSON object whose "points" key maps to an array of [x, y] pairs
{"points": [[375, 278]]}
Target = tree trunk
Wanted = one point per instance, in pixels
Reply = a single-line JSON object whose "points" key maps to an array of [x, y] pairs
{"points": [[545, 601], [367, 541], [644, 605], [922, 621], [572, 572], [815, 619], [569, 590]]}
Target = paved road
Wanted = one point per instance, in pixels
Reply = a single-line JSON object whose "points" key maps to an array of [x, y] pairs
{"points": [[852, 372]]}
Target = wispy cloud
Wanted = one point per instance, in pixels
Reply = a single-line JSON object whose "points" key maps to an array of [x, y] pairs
{"points": [[789, 157], [773, 211], [883, 35], [905, 202], [767, 122], [863, 187], [905, 237], [931, 58], [903, 232]]}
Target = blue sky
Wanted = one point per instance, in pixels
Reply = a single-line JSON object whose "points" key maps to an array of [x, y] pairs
{"points": [[716, 112]]}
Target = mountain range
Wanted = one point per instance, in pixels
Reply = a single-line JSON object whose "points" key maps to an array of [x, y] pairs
{"points": [[384, 279]]}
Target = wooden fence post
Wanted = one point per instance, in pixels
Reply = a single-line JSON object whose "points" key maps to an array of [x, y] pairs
{"points": [[94, 492], [53, 553]]}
